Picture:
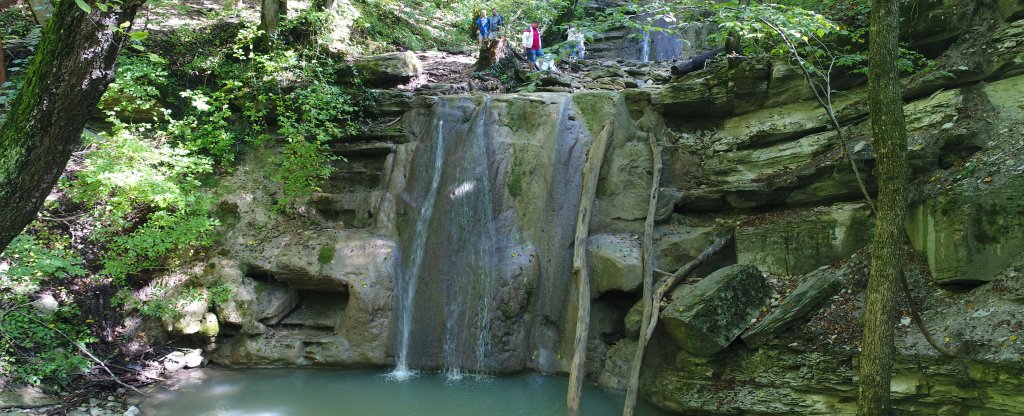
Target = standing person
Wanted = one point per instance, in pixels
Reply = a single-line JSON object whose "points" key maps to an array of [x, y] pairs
{"points": [[497, 23], [482, 26], [576, 40], [531, 37]]}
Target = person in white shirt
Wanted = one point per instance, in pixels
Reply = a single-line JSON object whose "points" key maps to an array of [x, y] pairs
{"points": [[576, 42]]}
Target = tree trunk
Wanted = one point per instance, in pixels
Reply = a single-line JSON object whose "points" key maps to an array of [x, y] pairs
{"points": [[499, 52], [889, 135], [633, 388], [591, 173], [73, 65], [3, 67], [270, 15], [42, 10]]}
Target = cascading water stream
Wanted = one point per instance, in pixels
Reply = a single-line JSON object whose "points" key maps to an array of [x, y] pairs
{"points": [[645, 46], [411, 270], [467, 272], [470, 288]]}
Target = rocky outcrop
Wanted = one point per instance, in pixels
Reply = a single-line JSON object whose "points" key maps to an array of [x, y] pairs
{"points": [[386, 70], [970, 235], [814, 289], [799, 241], [614, 262], [706, 317]]}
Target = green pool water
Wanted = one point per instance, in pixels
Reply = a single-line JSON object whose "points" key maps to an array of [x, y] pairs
{"points": [[344, 393]]}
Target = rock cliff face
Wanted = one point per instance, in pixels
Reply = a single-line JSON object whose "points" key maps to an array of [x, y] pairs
{"points": [[744, 149]]}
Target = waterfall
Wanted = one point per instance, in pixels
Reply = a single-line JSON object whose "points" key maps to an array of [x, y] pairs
{"points": [[471, 231], [645, 46], [485, 224], [410, 270]]}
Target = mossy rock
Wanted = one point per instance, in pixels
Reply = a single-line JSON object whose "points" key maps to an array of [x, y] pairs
{"points": [[799, 241], [970, 236], [706, 317]]}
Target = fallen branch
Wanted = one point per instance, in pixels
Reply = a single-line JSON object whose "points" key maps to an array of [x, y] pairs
{"points": [[648, 256], [81, 347], [650, 317]]}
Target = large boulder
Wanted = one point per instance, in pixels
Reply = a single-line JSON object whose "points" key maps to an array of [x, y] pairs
{"points": [[932, 25], [706, 317], [386, 70], [970, 235], [615, 263], [617, 363], [799, 241], [814, 289]]}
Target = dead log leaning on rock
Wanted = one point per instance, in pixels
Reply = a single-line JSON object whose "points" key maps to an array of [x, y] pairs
{"points": [[591, 172], [648, 256], [650, 321]]}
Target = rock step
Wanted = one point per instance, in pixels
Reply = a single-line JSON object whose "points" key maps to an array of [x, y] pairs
{"points": [[814, 290]]}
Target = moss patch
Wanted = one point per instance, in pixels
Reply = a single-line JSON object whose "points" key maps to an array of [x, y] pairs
{"points": [[326, 254]]}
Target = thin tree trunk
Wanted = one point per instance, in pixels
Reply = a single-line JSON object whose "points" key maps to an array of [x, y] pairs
{"points": [[42, 10], [73, 65], [632, 390], [591, 173], [888, 130], [3, 66], [270, 15]]}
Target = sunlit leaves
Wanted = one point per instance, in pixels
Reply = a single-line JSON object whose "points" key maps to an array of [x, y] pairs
{"points": [[84, 6]]}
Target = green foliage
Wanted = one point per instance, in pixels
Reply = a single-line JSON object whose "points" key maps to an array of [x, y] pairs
{"points": [[146, 199], [31, 349], [138, 85], [326, 254], [31, 259], [16, 22], [444, 25]]}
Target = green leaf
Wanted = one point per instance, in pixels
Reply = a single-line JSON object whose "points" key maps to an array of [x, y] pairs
{"points": [[84, 6], [139, 36]]}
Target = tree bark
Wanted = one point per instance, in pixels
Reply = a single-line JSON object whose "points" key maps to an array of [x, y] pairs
{"points": [[3, 66], [888, 130], [270, 15], [73, 65], [633, 388], [591, 174]]}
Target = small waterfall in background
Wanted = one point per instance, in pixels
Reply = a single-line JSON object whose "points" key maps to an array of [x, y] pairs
{"points": [[645, 46], [410, 270]]}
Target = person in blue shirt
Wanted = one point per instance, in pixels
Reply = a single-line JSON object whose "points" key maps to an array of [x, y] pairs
{"points": [[483, 26], [497, 23]]}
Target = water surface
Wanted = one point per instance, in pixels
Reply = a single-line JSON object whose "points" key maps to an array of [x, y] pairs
{"points": [[287, 392]]}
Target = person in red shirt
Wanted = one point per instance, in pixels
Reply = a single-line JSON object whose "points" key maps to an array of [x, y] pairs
{"points": [[534, 51]]}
